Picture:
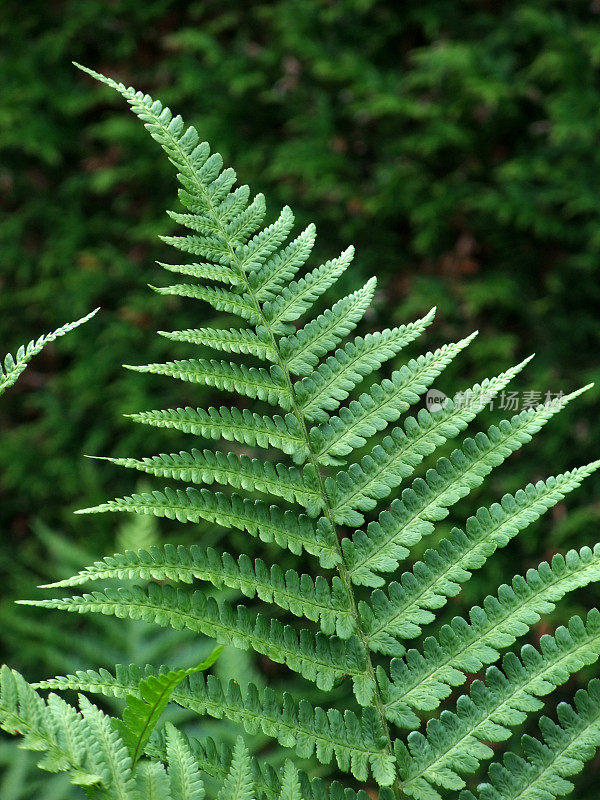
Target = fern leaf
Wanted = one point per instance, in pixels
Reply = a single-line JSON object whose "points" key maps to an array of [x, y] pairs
{"points": [[290, 785], [382, 404], [321, 659], [222, 300], [282, 266], [241, 472], [13, 366], [334, 379], [238, 784], [184, 775], [152, 781], [439, 575], [269, 523], [457, 742], [387, 541], [544, 772], [421, 681], [355, 742], [268, 385], [304, 596], [214, 272], [243, 426], [112, 757], [371, 480], [230, 341], [143, 709], [293, 300], [303, 350]]}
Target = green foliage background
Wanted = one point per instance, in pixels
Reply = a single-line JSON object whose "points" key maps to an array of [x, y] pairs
{"points": [[454, 143]]}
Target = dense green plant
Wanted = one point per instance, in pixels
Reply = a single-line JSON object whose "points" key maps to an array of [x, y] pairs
{"points": [[366, 621]]}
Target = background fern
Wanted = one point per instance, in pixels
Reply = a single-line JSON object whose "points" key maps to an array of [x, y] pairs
{"points": [[227, 232]]}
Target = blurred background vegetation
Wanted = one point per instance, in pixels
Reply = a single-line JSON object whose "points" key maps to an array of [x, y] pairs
{"points": [[454, 143]]}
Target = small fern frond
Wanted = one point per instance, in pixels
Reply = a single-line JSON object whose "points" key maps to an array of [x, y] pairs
{"points": [[256, 382], [231, 424], [14, 366], [322, 659], [408, 605], [388, 540], [238, 784], [544, 772], [304, 596], [281, 267], [144, 708], [333, 380], [184, 774], [230, 341], [269, 523], [422, 680], [241, 472]]}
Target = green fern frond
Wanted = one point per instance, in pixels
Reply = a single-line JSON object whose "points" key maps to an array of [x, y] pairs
{"points": [[255, 382], [422, 680], [387, 541], [303, 595], [144, 708], [230, 341], [322, 659], [209, 271], [544, 772], [458, 741], [14, 366], [184, 774], [408, 605], [281, 267], [241, 472], [231, 424], [269, 523], [333, 380]]}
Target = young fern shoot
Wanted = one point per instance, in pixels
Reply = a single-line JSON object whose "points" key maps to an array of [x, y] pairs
{"points": [[357, 624]]}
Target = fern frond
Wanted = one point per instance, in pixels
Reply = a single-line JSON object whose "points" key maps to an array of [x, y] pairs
{"points": [[269, 523], [304, 596], [544, 771], [112, 757], [220, 299], [230, 341], [303, 350], [213, 272], [231, 424], [152, 781], [387, 541], [255, 382], [14, 366], [422, 680], [241, 472], [144, 708], [354, 741], [238, 784], [184, 775], [387, 619], [374, 477], [296, 298], [334, 379], [382, 404], [457, 742], [322, 659], [281, 267], [53, 729]]}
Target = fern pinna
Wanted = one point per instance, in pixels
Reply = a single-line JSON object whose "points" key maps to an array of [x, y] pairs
{"points": [[367, 601]]}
